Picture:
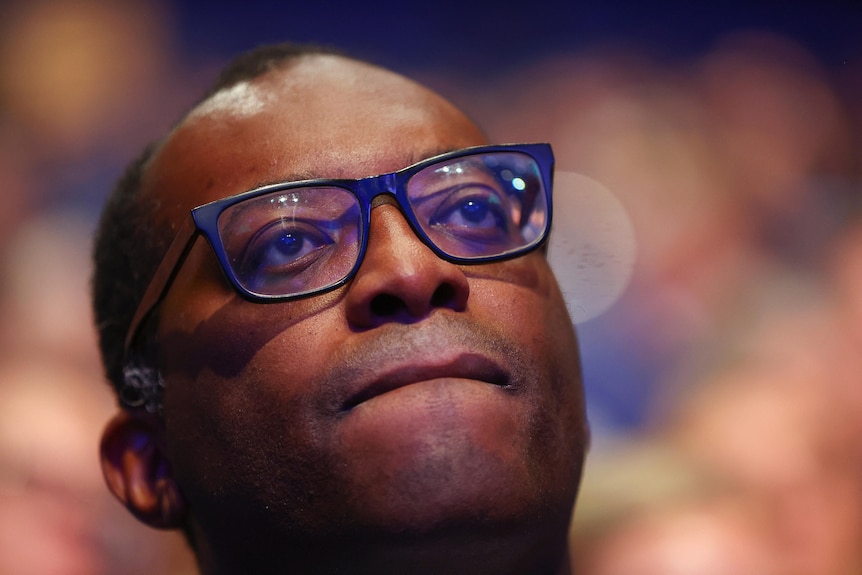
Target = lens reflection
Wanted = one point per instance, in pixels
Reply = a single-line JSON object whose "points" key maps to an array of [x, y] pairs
{"points": [[292, 242], [480, 206]]}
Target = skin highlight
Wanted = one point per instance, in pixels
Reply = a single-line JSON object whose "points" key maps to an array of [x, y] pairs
{"points": [[426, 417]]}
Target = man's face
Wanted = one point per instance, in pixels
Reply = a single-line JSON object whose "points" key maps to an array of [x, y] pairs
{"points": [[467, 378]]}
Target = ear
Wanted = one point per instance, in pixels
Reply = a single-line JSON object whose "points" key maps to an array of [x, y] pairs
{"points": [[138, 472]]}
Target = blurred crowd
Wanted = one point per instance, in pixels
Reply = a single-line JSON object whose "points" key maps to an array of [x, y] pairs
{"points": [[723, 385]]}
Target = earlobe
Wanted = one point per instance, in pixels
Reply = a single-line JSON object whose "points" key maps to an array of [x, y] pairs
{"points": [[138, 472]]}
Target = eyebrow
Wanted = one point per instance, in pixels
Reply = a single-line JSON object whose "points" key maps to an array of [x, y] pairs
{"points": [[411, 160], [284, 179], [430, 153], [239, 213]]}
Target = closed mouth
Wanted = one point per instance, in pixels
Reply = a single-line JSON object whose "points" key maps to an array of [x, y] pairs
{"points": [[467, 366]]}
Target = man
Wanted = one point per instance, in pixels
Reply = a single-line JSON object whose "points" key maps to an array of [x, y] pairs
{"points": [[368, 375]]}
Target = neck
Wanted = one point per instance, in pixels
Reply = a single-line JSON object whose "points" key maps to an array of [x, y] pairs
{"points": [[523, 553]]}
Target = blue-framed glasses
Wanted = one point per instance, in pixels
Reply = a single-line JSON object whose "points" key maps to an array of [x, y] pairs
{"points": [[298, 239]]}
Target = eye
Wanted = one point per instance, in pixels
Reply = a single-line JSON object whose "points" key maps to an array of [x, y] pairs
{"points": [[474, 213], [287, 246], [283, 251]]}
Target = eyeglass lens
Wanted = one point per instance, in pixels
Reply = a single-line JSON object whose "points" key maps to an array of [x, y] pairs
{"points": [[305, 239]]}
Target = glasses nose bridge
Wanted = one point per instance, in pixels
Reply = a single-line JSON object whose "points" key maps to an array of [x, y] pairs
{"points": [[373, 187]]}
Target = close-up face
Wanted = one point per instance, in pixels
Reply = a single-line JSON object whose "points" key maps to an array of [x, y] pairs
{"points": [[421, 394]]}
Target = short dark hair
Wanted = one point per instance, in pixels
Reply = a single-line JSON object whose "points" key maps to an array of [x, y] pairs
{"points": [[128, 247]]}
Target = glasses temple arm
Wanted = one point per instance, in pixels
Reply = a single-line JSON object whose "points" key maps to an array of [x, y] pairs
{"points": [[162, 278]]}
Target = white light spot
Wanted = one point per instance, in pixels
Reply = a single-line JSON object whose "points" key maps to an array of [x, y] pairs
{"points": [[592, 246], [242, 99]]}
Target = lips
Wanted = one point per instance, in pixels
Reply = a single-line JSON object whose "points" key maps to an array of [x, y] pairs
{"points": [[443, 346], [465, 365]]}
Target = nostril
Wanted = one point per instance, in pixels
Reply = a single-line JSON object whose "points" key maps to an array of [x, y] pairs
{"points": [[386, 305], [444, 294]]}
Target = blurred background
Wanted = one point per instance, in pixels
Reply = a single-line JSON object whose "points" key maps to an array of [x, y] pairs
{"points": [[724, 381]]}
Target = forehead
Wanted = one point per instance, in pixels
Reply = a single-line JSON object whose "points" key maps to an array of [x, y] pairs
{"points": [[321, 116]]}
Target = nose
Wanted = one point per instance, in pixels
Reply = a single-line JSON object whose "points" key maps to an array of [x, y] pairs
{"points": [[401, 279]]}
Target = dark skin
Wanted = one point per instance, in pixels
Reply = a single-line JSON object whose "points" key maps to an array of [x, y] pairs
{"points": [[424, 418]]}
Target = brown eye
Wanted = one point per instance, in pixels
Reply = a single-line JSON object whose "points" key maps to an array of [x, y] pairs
{"points": [[472, 213], [282, 252]]}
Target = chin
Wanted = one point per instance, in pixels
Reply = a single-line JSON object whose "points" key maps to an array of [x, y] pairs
{"points": [[435, 483]]}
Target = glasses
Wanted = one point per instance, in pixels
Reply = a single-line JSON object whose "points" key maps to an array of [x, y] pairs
{"points": [[298, 239]]}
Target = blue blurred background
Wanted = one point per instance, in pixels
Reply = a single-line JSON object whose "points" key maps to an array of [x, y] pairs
{"points": [[728, 134], [489, 38]]}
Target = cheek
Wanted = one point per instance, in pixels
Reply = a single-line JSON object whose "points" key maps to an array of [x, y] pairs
{"points": [[521, 299], [254, 442], [524, 302], [204, 324], [244, 359], [241, 385]]}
